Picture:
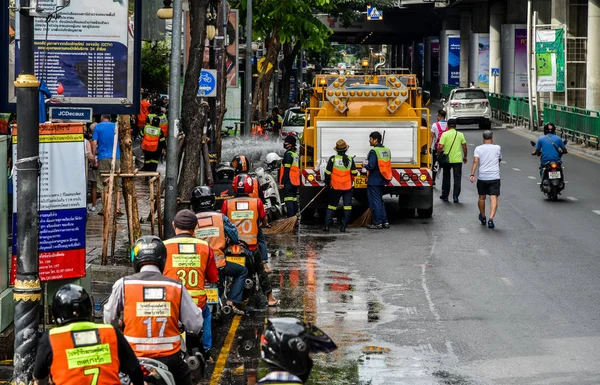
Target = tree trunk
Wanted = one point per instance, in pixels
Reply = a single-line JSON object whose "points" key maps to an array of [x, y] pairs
{"points": [[127, 167], [221, 65], [260, 102], [289, 57], [194, 111]]}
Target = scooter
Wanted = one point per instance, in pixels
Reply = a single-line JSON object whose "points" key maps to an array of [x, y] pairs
{"points": [[241, 255], [155, 373], [270, 195], [553, 177], [192, 349]]}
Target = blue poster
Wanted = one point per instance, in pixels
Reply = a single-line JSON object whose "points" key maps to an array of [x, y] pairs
{"points": [[454, 60]]}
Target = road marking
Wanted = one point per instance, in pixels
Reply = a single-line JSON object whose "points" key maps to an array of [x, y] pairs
{"points": [[432, 307], [507, 281], [224, 354], [516, 169], [572, 199], [471, 144], [462, 230], [503, 162], [483, 252], [531, 177], [596, 212]]}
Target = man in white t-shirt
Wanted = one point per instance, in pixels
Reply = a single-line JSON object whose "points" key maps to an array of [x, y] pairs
{"points": [[437, 129], [487, 157]]}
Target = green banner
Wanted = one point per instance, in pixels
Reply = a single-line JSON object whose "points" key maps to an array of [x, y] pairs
{"points": [[550, 60]]}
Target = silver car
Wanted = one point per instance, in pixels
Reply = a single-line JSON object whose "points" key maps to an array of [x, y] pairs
{"points": [[293, 122], [469, 106]]}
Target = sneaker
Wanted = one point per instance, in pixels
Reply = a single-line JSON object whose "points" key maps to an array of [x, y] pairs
{"points": [[482, 219], [491, 224], [455, 198], [444, 198], [343, 229], [375, 227], [386, 225], [326, 228]]}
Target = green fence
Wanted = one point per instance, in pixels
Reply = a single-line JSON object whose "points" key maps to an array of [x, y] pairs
{"points": [[445, 90]]}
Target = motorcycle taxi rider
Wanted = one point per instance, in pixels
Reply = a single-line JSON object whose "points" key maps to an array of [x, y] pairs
{"points": [[550, 146], [150, 307], [78, 350]]}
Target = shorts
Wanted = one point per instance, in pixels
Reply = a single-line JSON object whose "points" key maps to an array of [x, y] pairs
{"points": [[104, 168], [93, 174], [488, 187]]}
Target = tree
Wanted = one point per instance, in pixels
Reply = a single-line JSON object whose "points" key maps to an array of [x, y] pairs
{"points": [[155, 65]]}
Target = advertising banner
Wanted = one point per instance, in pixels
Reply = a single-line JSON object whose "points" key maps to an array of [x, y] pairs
{"points": [[521, 83], [454, 60], [435, 58], [62, 200], [86, 56], [483, 76], [550, 60]]}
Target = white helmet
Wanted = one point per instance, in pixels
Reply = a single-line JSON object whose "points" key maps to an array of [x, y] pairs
{"points": [[272, 157]]}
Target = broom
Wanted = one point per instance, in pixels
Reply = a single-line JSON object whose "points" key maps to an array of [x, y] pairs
{"points": [[287, 225], [364, 220]]}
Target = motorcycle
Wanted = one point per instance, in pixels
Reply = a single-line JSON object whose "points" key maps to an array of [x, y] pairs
{"points": [[553, 177], [155, 373], [241, 255], [269, 194]]}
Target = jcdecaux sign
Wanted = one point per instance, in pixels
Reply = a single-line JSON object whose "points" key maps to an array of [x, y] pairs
{"points": [[71, 114]]}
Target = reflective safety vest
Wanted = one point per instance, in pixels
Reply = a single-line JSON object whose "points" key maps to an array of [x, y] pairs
{"points": [[187, 259], [384, 161], [294, 170], [149, 118], [243, 212], [341, 175], [211, 228], [4, 119], [151, 308], [151, 138], [84, 353], [164, 125]]}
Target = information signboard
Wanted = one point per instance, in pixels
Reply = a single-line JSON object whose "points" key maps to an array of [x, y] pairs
{"points": [[62, 203]]}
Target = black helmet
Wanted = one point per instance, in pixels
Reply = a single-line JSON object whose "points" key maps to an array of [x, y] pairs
{"points": [[203, 199], [240, 164], [549, 128], [148, 250], [71, 303], [287, 342], [290, 139], [225, 172]]}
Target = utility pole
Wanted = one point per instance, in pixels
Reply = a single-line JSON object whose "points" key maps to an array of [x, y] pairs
{"points": [[174, 115], [27, 291], [248, 74]]}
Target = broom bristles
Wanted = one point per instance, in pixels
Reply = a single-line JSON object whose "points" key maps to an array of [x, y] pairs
{"points": [[281, 226], [364, 220]]}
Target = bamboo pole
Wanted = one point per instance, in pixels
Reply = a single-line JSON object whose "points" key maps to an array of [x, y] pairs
{"points": [[113, 239], [107, 209], [152, 200], [130, 219]]}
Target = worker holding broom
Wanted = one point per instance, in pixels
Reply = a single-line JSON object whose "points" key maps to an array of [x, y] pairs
{"points": [[379, 167], [339, 177], [289, 176]]}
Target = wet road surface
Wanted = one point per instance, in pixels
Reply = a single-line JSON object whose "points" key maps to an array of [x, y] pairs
{"points": [[446, 300]]}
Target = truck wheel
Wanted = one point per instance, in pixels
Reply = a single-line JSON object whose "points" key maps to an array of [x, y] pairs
{"points": [[425, 213]]}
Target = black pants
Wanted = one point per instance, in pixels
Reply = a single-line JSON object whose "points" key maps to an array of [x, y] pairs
{"points": [[290, 197], [334, 199], [433, 161], [178, 368], [151, 160], [259, 268], [457, 174]]}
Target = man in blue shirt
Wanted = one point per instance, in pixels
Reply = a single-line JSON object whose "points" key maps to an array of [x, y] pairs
{"points": [[550, 146], [102, 148]]}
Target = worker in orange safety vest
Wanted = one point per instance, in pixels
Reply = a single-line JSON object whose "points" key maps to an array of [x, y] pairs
{"points": [[339, 176]]}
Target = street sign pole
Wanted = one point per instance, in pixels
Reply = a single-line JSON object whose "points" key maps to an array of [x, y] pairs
{"points": [[27, 291]]}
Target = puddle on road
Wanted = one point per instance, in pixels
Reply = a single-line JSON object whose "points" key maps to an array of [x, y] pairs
{"points": [[350, 308]]}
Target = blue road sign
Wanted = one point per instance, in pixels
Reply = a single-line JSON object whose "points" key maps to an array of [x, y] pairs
{"points": [[374, 14], [495, 71], [207, 84], [71, 114]]}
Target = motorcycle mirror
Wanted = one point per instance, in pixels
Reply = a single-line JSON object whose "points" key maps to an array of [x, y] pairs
{"points": [[532, 143]]}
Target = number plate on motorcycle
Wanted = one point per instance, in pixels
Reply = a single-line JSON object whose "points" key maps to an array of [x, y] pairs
{"points": [[360, 182], [554, 175], [212, 295], [239, 260]]}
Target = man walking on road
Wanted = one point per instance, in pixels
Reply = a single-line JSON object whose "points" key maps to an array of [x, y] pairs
{"points": [[454, 145], [487, 157], [379, 168], [437, 129], [103, 140]]}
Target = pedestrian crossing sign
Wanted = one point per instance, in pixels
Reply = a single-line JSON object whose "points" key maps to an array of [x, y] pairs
{"points": [[374, 14]]}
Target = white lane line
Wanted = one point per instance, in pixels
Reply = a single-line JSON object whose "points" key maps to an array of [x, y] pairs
{"points": [[596, 212], [462, 230], [507, 281], [503, 162], [483, 252], [516, 169], [572, 199], [471, 144], [531, 177]]}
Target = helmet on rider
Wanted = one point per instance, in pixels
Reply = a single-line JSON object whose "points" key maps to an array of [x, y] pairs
{"points": [[243, 184], [240, 164], [203, 199], [71, 303], [225, 172], [287, 342], [148, 250], [272, 160], [549, 128]]}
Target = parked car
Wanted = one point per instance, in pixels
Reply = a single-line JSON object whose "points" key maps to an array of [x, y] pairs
{"points": [[293, 122], [469, 106]]}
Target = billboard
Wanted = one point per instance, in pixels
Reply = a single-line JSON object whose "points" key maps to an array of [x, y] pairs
{"points": [[62, 202], [483, 74], [87, 56], [521, 83], [550, 60], [454, 60]]}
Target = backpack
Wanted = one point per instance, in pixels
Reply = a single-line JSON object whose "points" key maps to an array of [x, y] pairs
{"points": [[440, 132]]}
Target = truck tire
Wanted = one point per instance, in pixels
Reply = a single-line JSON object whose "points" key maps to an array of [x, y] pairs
{"points": [[425, 213]]}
